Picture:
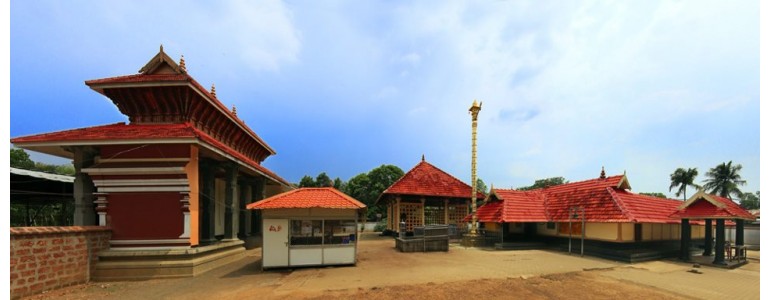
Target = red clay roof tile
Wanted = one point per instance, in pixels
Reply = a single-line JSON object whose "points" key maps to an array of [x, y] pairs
{"points": [[701, 208], [427, 180], [122, 132], [603, 200], [327, 197]]}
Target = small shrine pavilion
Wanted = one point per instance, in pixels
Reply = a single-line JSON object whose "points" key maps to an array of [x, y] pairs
{"points": [[426, 195], [172, 184], [703, 206]]}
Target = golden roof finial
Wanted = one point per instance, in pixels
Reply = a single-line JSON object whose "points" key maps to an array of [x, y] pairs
{"points": [[602, 175], [234, 112], [182, 65], [213, 90]]}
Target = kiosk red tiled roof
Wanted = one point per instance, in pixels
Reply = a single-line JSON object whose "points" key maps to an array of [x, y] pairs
{"points": [[327, 197]]}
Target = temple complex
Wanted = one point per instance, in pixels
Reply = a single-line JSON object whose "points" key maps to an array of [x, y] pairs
{"points": [[173, 183], [602, 217], [426, 195]]}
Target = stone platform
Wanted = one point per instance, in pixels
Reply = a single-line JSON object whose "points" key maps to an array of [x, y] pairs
{"points": [[119, 265]]}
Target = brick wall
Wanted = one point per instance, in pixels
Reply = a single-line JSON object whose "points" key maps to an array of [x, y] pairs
{"points": [[45, 258]]}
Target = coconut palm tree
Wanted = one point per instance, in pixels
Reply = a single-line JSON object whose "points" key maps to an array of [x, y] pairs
{"points": [[723, 180], [683, 178]]}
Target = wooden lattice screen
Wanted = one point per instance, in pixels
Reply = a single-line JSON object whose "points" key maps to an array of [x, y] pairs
{"points": [[457, 213], [412, 212], [434, 215]]}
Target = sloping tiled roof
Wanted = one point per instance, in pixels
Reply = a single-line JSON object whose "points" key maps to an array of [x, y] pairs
{"points": [[603, 199], [490, 212], [522, 206], [427, 180], [700, 206], [117, 131], [124, 132], [327, 197], [646, 209], [590, 194]]}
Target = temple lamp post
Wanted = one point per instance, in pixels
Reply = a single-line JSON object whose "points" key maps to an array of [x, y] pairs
{"points": [[474, 110]]}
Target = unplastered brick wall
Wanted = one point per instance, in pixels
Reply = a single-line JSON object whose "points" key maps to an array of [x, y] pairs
{"points": [[45, 258]]}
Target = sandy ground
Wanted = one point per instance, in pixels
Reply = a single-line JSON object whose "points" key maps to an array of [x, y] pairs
{"points": [[462, 273]]}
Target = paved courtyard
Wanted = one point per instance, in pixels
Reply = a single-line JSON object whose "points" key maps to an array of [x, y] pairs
{"points": [[380, 266]]}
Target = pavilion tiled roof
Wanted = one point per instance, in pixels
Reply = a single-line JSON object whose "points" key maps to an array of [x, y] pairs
{"points": [[125, 132], [707, 206], [427, 180], [327, 197]]}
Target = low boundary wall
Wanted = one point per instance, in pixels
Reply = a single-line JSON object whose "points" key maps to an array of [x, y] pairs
{"points": [[45, 258]]}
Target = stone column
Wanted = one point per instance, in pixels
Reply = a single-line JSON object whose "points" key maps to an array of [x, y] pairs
{"points": [[739, 231], [207, 200], [709, 236], [685, 240], [719, 248], [231, 187], [83, 189], [242, 200], [257, 193]]}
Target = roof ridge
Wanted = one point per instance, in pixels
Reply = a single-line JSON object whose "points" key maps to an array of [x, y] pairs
{"points": [[621, 204], [581, 182]]}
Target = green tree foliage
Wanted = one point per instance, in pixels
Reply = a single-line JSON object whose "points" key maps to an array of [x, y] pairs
{"points": [[682, 178], [367, 187], [20, 159], [750, 200], [544, 183], [659, 195], [481, 186], [323, 180], [306, 181], [723, 180], [339, 184]]}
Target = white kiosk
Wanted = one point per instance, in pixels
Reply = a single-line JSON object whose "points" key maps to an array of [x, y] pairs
{"points": [[309, 227]]}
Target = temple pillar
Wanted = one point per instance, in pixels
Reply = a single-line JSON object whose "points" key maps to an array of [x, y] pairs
{"points": [[709, 236], [231, 188], [446, 211], [739, 231], [398, 214], [257, 193], [83, 189], [685, 240], [719, 249], [242, 200], [422, 210], [207, 200]]}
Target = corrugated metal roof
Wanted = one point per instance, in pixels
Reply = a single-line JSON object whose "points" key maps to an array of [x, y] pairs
{"points": [[43, 175]]}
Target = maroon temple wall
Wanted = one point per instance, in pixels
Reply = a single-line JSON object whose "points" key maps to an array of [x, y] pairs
{"points": [[45, 258]]}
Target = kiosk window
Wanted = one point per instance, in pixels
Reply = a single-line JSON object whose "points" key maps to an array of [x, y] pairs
{"points": [[339, 232], [306, 232]]}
